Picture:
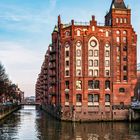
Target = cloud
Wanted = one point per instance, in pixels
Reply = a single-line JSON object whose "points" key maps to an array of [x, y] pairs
{"points": [[22, 64]]}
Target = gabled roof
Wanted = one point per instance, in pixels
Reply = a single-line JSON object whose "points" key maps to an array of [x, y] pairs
{"points": [[119, 4]]}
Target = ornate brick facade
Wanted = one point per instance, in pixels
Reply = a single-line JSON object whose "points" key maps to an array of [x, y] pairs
{"points": [[89, 72]]}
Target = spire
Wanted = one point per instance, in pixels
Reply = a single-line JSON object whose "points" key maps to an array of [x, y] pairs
{"points": [[118, 4]]}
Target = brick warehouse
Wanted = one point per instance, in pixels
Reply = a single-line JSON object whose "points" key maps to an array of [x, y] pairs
{"points": [[89, 71]]}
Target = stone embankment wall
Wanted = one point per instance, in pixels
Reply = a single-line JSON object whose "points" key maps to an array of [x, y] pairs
{"points": [[7, 110]]}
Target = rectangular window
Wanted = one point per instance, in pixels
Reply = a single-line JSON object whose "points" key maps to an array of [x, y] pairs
{"points": [[125, 78], [78, 72], [90, 53], [78, 62], [95, 63], [90, 72], [66, 97], [124, 68], [90, 84], [90, 97], [67, 84], [93, 84], [67, 53], [67, 63], [118, 58], [90, 63], [95, 72], [96, 98], [124, 39], [107, 63], [78, 98], [107, 73], [96, 53], [67, 73], [125, 58]]}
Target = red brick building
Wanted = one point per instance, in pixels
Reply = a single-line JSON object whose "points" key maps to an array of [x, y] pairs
{"points": [[89, 71]]}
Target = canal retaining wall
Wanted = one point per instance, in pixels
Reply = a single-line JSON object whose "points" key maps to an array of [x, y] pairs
{"points": [[86, 114], [5, 111]]}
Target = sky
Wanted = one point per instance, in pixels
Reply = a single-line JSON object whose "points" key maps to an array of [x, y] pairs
{"points": [[26, 27]]}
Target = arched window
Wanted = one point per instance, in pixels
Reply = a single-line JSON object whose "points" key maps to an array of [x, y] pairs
{"points": [[122, 90], [125, 32], [79, 84], [125, 20], [107, 84], [117, 20], [117, 32]]}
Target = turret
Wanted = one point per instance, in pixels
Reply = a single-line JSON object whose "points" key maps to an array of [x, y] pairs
{"points": [[118, 15]]}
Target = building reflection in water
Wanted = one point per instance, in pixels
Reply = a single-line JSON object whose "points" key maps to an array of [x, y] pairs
{"points": [[50, 129], [31, 124]]}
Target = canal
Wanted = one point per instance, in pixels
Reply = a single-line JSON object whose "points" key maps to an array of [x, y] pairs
{"points": [[31, 124]]}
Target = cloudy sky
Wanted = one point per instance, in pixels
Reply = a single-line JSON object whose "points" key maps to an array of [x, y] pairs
{"points": [[26, 26]]}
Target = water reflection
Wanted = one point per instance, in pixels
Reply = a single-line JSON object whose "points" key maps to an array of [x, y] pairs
{"points": [[30, 124]]}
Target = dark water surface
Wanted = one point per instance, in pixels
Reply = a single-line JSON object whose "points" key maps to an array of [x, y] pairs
{"points": [[31, 124]]}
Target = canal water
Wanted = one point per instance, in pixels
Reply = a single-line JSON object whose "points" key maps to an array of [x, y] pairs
{"points": [[31, 124]]}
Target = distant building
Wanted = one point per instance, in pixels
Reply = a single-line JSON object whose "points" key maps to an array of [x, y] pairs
{"points": [[29, 100], [89, 72]]}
